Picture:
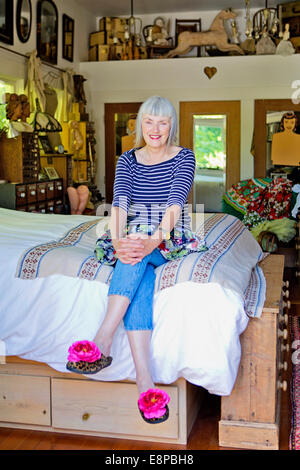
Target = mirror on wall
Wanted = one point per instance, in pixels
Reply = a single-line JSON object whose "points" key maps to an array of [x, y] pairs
{"points": [[119, 137], [276, 137], [68, 38], [283, 140], [7, 21], [24, 19], [47, 26]]}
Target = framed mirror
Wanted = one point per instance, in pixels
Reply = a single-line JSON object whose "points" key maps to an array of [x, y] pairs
{"points": [[68, 38], [119, 127], [267, 119], [24, 19], [47, 27], [7, 21]]}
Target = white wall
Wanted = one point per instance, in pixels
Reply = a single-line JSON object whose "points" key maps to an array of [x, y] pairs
{"points": [[13, 66], [243, 78]]}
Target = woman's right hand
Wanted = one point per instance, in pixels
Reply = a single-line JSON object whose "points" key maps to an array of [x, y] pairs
{"points": [[129, 250]]}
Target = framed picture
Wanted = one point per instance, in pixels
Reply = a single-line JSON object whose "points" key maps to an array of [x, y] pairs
{"points": [[68, 38], [45, 144], [46, 31], [51, 172], [7, 21]]}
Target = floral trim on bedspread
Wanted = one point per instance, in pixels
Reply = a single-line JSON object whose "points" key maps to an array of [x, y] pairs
{"points": [[225, 237], [29, 265]]}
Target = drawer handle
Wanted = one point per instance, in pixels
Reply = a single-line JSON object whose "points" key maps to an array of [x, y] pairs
{"points": [[22, 194], [85, 416], [286, 284], [283, 365], [284, 318], [285, 347], [283, 333], [42, 191], [32, 193], [286, 293], [282, 385], [286, 304]]}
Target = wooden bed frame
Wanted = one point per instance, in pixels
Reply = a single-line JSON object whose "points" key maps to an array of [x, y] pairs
{"points": [[35, 396]]}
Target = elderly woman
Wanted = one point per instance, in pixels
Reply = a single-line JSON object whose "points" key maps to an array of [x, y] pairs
{"points": [[149, 226]]}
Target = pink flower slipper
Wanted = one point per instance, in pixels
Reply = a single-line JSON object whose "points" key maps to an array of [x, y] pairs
{"points": [[153, 405], [86, 358], [84, 351]]}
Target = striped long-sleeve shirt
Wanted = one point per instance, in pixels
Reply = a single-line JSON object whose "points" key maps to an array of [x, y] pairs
{"points": [[146, 191]]}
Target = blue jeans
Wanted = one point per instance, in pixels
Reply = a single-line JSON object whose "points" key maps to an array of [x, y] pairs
{"points": [[137, 283]]}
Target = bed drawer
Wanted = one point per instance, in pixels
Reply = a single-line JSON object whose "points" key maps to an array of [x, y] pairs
{"points": [[25, 399], [107, 408]]}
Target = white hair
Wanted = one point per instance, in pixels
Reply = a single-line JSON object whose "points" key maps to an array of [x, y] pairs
{"points": [[156, 106]]}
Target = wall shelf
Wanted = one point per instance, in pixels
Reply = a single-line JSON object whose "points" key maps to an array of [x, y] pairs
{"points": [[232, 71]]}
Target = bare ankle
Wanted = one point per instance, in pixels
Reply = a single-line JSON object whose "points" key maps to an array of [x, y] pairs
{"points": [[104, 344], [144, 384]]}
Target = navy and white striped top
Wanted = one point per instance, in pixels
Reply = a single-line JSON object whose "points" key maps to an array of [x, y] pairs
{"points": [[145, 191]]}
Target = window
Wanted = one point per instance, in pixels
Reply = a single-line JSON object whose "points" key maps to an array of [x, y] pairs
{"points": [[209, 141], [5, 87]]}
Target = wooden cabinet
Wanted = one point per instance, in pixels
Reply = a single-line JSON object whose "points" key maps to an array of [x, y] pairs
{"points": [[250, 416], [34, 396], [20, 158], [44, 197], [63, 165], [110, 408], [25, 399]]}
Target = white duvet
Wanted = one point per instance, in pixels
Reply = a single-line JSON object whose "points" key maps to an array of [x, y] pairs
{"points": [[196, 326]]}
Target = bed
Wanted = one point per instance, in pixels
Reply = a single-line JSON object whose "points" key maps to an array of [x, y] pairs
{"points": [[54, 292]]}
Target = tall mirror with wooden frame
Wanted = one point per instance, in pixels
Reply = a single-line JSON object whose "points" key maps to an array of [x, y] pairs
{"points": [[119, 137], [276, 137], [46, 30]]}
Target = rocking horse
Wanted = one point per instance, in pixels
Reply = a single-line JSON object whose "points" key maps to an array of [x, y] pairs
{"points": [[215, 36]]}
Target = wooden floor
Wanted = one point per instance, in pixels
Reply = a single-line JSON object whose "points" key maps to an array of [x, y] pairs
{"points": [[204, 435]]}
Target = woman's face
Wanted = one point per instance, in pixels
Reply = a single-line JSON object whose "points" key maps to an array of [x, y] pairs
{"points": [[156, 130], [289, 124]]}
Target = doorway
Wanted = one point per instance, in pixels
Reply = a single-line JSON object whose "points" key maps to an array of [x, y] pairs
{"points": [[212, 130]]}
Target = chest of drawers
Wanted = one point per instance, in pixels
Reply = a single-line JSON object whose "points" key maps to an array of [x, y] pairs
{"points": [[43, 196]]}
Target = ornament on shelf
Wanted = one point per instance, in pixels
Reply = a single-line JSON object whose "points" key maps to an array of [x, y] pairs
{"points": [[285, 47], [248, 45], [215, 36], [17, 112], [265, 45], [234, 30]]}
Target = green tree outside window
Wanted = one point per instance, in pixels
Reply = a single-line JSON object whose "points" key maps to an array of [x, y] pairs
{"points": [[209, 145]]}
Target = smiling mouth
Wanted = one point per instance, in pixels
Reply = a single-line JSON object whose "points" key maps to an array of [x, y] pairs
{"points": [[155, 137]]}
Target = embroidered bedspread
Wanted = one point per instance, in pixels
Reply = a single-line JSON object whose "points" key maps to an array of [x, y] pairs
{"points": [[231, 259]]}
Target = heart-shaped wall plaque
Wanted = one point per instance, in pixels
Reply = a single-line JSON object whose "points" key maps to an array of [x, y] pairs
{"points": [[210, 71]]}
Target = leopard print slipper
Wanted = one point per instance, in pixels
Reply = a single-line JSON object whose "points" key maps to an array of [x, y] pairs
{"points": [[155, 420], [84, 367]]}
